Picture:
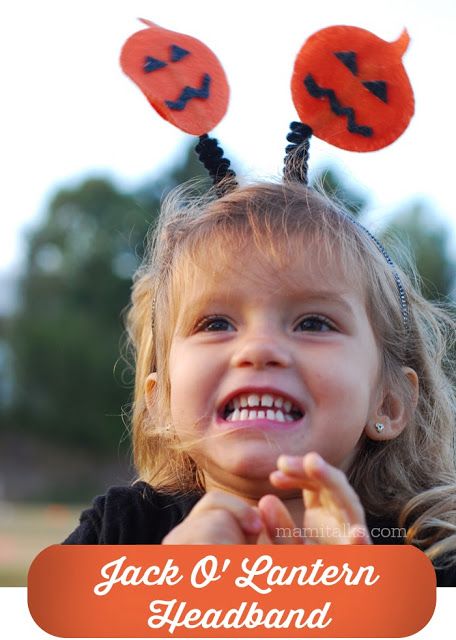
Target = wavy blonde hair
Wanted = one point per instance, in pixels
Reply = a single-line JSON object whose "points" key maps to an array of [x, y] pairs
{"points": [[411, 478]]}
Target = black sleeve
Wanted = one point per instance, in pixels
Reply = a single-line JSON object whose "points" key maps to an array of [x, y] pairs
{"points": [[90, 525], [131, 515]]}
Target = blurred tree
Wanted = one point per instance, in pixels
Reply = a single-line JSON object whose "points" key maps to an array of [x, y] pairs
{"points": [[416, 227], [426, 239], [328, 180], [66, 336]]}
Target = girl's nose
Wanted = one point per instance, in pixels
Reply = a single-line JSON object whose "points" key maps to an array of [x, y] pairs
{"points": [[261, 353]]}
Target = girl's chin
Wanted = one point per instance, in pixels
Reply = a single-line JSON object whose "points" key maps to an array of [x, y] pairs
{"points": [[251, 489], [251, 469]]}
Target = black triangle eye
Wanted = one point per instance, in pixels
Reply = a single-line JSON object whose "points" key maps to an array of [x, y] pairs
{"points": [[153, 64], [378, 88], [348, 58], [177, 53]]}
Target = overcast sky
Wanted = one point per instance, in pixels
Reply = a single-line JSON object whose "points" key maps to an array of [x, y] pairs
{"points": [[68, 110]]}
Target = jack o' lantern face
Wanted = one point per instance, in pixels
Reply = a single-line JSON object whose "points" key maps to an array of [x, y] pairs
{"points": [[181, 77], [351, 88]]}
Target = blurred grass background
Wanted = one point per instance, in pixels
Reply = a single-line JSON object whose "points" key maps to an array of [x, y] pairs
{"points": [[25, 530], [43, 489]]}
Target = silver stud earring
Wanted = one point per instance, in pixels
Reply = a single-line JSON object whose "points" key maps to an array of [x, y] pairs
{"points": [[379, 427]]}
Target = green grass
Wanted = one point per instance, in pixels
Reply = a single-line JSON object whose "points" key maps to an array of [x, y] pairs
{"points": [[25, 530]]}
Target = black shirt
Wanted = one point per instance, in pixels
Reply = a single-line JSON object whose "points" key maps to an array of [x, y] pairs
{"points": [[141, 515], [132, 515]]}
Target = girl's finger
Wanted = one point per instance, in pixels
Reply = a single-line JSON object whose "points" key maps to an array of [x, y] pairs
{"points": [[247, 517], [315, 476], [282, 480], [335, 483], [290, 474], [278, 522]]}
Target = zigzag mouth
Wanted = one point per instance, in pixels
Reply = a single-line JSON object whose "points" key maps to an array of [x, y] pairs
{"points": [[337, 107], [190, 93]]}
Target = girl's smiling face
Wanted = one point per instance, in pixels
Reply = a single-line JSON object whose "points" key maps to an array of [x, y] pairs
{"points": [[251, 334]]}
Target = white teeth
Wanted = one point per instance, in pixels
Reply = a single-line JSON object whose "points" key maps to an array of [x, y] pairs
{"points": [[253, 401], [251, 414], [267, 400], [250, 406]]}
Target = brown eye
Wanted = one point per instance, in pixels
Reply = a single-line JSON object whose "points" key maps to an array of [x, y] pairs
{"points": [[215, 323], [318, 324]]}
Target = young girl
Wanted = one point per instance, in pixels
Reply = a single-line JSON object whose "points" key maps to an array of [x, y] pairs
{"points": [[287, 389]]}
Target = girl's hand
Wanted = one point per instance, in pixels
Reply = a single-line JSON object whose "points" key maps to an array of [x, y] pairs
{"points": [[218, 518], [333, 513]]}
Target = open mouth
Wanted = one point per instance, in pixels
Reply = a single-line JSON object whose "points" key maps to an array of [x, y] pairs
{"points": [[266, 406]]}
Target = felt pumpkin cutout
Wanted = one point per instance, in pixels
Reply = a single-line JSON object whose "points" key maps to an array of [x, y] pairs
{"points": [[181, 77], [351, 88]]}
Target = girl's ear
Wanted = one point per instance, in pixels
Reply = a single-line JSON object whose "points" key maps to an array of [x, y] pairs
{"points": [[149, 390], [393, 413]]}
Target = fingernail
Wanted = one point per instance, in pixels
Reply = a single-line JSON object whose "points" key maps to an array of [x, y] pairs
{"points": [[290, 463], [317, 460]]}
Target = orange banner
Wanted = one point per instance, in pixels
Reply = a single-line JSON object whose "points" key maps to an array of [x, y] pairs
{"points": [[206, 591]]}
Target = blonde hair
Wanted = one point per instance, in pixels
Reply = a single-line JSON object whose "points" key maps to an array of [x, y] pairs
{"points": [[411, 478]]}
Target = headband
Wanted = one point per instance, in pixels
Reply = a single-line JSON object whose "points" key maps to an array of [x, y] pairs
{"points": [[348, 86]]}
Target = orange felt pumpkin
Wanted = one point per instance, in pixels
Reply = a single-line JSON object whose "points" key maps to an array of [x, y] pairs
{"points": [[351, 88], [181, 77]]}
